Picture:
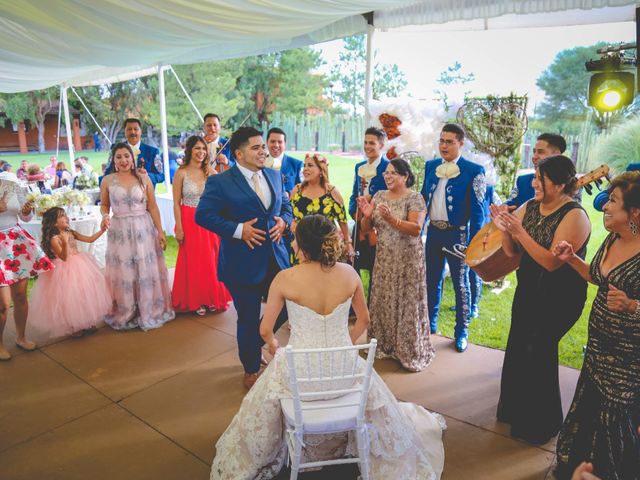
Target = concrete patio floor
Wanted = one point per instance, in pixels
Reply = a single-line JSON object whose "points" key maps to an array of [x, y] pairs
{"points": [[136, 405]]}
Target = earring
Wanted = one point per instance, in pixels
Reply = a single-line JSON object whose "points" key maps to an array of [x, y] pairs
{"points": [[633, 226]]}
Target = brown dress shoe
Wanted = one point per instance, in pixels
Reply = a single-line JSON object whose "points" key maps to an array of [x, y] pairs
{"points": [[249, 380]]}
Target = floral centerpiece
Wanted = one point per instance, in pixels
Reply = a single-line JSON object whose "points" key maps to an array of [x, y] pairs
{"points": [[70, 199], [42, 202], [86, 180]]}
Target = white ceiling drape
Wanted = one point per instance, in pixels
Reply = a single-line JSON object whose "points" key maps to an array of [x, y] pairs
{"points": [[80, 42], [505, 13], [45, 43]]}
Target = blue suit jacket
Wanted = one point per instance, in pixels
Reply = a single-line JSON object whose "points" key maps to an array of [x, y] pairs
{"points": [[523, 190], [228, 200], [603, 197], [377, 184], [152, 164], [291, 170], [464, 195]]}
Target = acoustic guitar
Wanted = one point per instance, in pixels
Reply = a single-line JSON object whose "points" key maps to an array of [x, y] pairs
{"points": [[485, 254]]}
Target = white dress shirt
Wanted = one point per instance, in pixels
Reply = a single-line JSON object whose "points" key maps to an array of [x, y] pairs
{"points": [[438, 209], [264, 185]]}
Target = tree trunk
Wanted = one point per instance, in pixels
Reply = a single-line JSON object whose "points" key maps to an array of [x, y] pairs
{"points": [[112, 130], [153, 139], [41, 144], [43, 107]]}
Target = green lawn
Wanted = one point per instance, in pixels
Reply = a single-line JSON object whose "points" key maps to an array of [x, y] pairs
{"points": [[490, 329]]}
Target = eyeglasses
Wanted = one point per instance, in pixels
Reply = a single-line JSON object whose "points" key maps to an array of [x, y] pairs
{"points": [[442, 141], [390, 173]]}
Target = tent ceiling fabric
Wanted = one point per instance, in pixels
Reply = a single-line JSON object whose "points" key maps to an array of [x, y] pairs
{"points": [[427, 12], [74, 42], [81, 42]]}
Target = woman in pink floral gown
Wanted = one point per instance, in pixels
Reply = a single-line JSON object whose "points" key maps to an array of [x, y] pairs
{"points": [[135, 267]]}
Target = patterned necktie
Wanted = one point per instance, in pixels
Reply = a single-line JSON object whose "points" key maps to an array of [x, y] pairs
{"points": [[258, 189], [447, 170]]}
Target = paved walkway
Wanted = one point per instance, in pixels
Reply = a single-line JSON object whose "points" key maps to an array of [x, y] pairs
{"points": [[136, 405]]}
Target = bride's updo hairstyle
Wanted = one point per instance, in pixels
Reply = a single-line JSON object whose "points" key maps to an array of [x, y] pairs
{"points": [[318, 239]]}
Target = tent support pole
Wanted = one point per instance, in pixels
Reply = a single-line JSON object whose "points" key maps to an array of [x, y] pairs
{"points": [[92, 117], [67, 124], [163, 126], [184, 90], [368, 86], [59, 122]]}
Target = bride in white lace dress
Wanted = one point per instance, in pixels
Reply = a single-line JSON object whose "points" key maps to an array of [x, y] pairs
{"points": [[406, 440]]}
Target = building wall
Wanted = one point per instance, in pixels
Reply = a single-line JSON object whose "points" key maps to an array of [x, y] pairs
{"points": [[9, 137]]}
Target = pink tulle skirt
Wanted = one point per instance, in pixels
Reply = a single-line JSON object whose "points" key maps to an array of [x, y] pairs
{"points": [[71, 297]]}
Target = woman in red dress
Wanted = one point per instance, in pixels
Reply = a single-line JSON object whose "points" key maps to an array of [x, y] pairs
{"points": [[196, 286]]}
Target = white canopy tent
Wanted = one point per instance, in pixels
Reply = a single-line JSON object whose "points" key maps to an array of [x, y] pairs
{"points": [[77, 43]]}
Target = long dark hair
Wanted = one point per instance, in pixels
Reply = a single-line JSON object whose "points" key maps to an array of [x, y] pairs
{"points": [[318, 238], [192, 141], [134, 168], [49, 229], [560, 170]]}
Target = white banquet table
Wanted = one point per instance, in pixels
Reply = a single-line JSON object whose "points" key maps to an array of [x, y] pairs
{"points": [[167, 218], [86, 224]]}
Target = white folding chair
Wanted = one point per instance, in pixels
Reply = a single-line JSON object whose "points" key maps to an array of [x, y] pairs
{"points": [[331, 377]]}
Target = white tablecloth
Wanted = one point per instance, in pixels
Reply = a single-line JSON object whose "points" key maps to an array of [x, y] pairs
{"points": [[167, 218], [87, 224]]}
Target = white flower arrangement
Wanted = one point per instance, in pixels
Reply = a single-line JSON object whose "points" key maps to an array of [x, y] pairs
{"points": [[75, 198], [44, 203]]}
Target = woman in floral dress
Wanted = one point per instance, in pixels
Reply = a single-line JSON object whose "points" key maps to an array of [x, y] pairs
{"points": [[135, 267], [316, 196], [398, 299], [21, 258]]}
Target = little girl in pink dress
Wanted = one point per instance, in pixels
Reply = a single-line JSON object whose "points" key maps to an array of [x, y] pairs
{"points": [[74, 296]]}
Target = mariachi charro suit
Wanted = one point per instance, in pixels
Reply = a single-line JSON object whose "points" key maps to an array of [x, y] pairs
{"points": [[464, 197]]}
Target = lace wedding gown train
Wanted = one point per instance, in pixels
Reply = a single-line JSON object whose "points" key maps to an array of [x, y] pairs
{"points": [[406, 439]]}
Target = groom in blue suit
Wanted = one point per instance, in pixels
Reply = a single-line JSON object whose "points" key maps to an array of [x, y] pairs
{"points": [[454, 191], [249, 208]]}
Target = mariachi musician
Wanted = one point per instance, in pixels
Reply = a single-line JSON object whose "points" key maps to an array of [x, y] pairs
{"points": [[454, 191], [220, 156], [368, 180], [148, 159]]}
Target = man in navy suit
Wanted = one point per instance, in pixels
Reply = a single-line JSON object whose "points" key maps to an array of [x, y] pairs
{"points": [[250, 210], [290, 168], [454, 191], [603, 197], [219, 148], [148, 159], [368, 180], [546, 145]]}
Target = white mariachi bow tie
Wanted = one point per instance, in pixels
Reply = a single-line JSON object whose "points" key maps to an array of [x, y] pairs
{"points": [[447, 170]]}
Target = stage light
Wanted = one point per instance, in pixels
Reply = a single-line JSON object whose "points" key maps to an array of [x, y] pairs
{"points": [[610, 91]]}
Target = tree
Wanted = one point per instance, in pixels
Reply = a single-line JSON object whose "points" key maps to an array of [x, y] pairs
{"points": [[210, 85], [32, 106], [453, 76], [348, 75], [111, 103], [282, 81]]}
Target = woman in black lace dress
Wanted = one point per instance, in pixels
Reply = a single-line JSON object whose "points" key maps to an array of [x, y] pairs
{"points": [[548, 300], [602, 424]]}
